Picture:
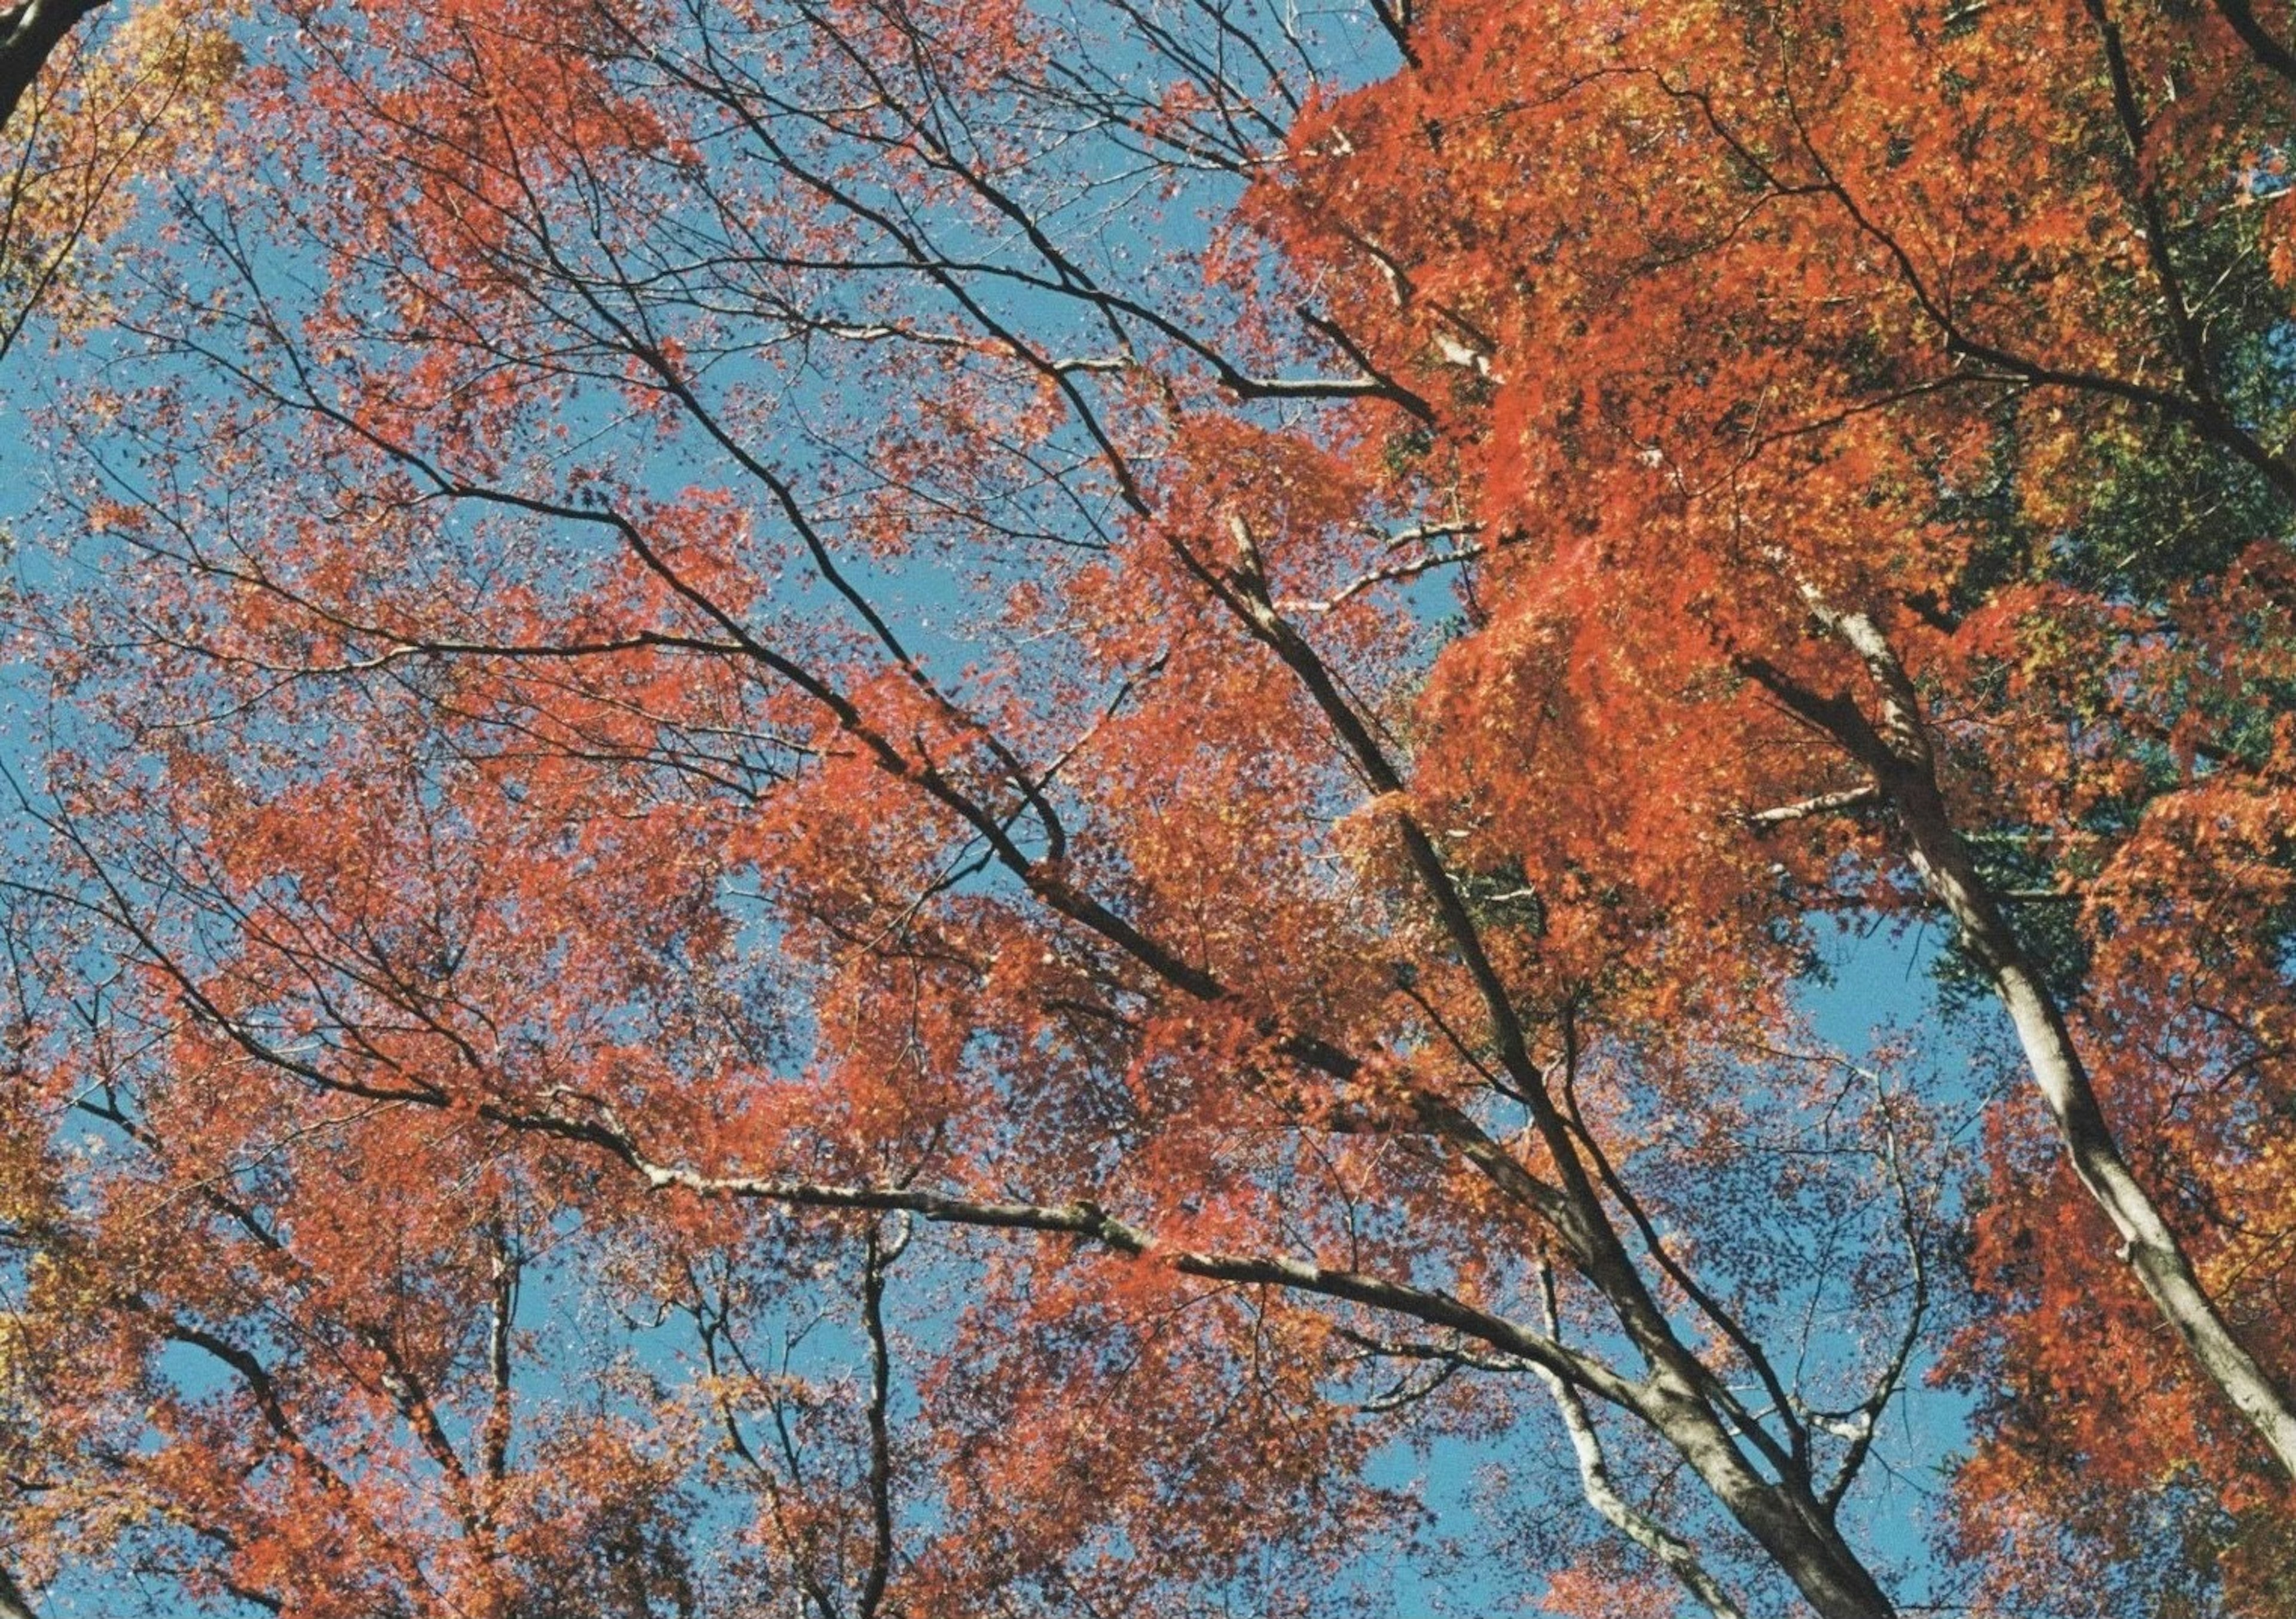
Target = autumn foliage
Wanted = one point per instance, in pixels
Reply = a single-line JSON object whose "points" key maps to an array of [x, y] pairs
{"points": [[862, 807]]}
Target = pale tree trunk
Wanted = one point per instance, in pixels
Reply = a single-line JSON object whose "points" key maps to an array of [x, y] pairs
{"points": [[1800, 1535], [1905, 770]]}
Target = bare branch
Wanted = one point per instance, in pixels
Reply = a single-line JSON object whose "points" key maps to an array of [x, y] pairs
{"points": [[1822, 804]]}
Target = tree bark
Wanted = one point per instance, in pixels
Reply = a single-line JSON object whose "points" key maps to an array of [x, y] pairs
{"points": [[1905, 769], [29, 33], [2153, 1250], [14, 1604]]}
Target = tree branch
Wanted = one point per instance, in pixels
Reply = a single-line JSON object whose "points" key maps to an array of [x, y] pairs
{"points": [[1594, 1481], [2267, 49], [1902, 761]]}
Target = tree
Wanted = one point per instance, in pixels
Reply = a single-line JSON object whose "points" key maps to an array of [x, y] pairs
{"points": [[86, 115], [1118, 764], [1905, 312]]}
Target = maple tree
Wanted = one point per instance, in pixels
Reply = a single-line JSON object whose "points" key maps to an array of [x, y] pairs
{"points": [[85, 113], [869, 807]]}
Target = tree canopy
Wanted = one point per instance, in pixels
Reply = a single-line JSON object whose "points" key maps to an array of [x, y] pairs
{"points": [[868, 807]]}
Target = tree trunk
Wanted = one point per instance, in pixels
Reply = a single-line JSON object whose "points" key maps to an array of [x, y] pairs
{"points": [[29, 33], [1905, 769]]}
